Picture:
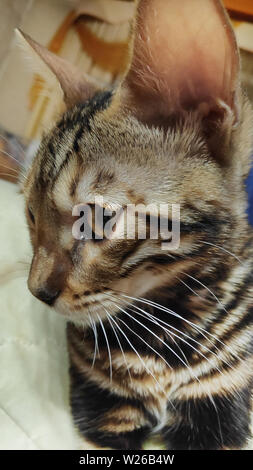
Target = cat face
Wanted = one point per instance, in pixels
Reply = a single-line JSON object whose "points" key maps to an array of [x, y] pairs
{"points": [[153, 140], [136, 166]]}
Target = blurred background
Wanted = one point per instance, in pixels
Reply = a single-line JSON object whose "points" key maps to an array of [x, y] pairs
{"points": [[91, 34]]}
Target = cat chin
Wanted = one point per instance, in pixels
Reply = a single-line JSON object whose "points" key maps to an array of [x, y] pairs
{"points": [[84, 316]]}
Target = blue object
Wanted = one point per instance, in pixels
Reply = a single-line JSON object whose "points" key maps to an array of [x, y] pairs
{"points": [[249, 186]]}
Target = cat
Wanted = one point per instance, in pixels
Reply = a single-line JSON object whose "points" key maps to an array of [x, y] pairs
{"points": [[160, 341]]}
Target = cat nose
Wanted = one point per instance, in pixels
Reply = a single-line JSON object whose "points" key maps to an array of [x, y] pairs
{"points": [[46, 295]]}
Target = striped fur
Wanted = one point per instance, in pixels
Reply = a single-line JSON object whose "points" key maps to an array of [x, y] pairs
{"points": [[159, 341]]}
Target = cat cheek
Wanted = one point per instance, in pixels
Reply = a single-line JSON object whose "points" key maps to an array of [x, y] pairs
{"points": [[66, 240]]}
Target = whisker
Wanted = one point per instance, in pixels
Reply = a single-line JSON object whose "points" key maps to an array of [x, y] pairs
{"points": [[95, 350], [186, 285], [16, 144], [138, 355], [143, 340], [96, 334], [13, 158], [154, 320], [108, 346], [181, 360], [223, 249], [164, 309], [165, 344], [14, 170], [191, 372], [192, 290], [12, 272], [196, 378], [10, 175], [169, 333], [119, 343], [173, 327], [27, 263], [207, 288], [198, 328]]}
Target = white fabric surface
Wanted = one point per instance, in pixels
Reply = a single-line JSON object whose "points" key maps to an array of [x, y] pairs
{"points": [[34, 410], [34, 383]]}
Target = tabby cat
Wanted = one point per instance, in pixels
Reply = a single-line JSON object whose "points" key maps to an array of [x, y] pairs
{"points": [[160, 341]]}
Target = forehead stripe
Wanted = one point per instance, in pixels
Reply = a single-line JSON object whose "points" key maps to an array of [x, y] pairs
{"points": [[77, 138], [75, 120], [84, 112], [62, 165]]}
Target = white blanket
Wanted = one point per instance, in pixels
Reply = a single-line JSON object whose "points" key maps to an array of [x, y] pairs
{"points": [[34, 410], [34, 384]]}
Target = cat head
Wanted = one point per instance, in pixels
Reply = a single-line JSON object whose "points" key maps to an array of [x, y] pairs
{"points": [[176, 130]]}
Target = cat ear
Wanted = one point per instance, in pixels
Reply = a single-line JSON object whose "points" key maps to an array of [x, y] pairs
{"points": [[76, 86], [184, 58]]}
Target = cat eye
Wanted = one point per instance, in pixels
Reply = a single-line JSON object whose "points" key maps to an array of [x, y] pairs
{"points": [[97, 220], [31, 216]]}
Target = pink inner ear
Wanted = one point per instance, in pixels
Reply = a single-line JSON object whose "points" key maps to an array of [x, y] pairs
{"points": [[184, 55]]}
